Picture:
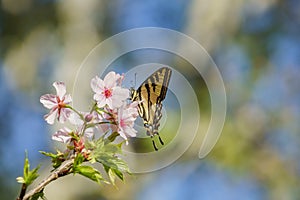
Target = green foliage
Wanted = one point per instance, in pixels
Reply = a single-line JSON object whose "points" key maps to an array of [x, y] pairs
{"points": [[57, 159], [113, 136], [28, 175], [38, 195], [104, 152], [85, 170], [112, 173], [89, 172], [78, 160]]}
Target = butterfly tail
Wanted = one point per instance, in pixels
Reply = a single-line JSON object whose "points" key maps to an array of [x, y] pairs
{"points": [[152, 134], [156, 124], [153, 143], [160, 140]]}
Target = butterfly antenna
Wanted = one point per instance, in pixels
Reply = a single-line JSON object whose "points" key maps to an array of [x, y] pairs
{"points": [[133, 83]]}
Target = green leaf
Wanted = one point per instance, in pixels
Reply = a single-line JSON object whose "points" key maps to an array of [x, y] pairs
{"points": [[105, 152], [103, 147], [113, 136], [119, 174], [112, 176], [57, 159], [26, 166], [28, 175], [112, 173], [85, 170], [78, 160], [38, 195], [89, 172], [32, 175]]}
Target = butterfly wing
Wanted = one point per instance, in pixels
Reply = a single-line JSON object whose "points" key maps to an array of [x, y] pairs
{"points": [[150, 94]]}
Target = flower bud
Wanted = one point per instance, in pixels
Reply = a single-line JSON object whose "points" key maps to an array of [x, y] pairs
{"points": [[88, 117]]}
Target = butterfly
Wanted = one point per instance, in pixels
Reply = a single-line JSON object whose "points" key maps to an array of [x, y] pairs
{"points": [[150, 95]]}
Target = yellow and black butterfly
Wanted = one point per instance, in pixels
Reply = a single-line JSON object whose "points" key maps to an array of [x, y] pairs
{"points": [[150, 94]]}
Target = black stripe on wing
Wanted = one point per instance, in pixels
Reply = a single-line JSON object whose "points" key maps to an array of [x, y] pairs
{"points": [[165, 84], [151, 93]]}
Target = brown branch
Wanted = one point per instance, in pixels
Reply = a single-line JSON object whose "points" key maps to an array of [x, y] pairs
{"points": [[23, 191], [63, 170]]}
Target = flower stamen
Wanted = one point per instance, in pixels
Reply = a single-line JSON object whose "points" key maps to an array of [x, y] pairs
{"points": [[107, 93]]}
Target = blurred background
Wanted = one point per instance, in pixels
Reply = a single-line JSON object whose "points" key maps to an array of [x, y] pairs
{"points": [[256, 46]]}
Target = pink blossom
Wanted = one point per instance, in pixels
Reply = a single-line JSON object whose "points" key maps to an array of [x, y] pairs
{"points": [[79, 123], [107, 120], [98, 121], [108, 91], [133, 108], [126, 116], [62, 135], [75, 119], [57, 103]]}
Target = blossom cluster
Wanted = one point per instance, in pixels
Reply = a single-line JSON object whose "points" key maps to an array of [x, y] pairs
{"points": [[111, 113]]}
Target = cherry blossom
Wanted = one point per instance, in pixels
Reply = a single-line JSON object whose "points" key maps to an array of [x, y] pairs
{"points": [[79, 123], [57, 103], [62, 135], [112, 113], [127, 114], [108, 91]]}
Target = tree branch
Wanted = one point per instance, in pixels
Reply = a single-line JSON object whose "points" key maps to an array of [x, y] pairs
{"points": [[63, 170], [23, 191]]}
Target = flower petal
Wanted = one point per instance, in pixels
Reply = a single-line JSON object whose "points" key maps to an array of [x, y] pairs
{"points": [[110, 80], [89, 132], [120, 80], [68, 99], [103, 128], [101, 100], [75, 119], [126, 121], [60, 89], [64, 115], [50, 117], [130, 131], [119, 95], [62, 135], [48, 100], [97, 85], [109, 102], [122, 134], [99, 97]]}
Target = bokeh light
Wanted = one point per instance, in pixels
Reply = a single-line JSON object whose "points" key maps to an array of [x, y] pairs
{"points": [[256, 46]]}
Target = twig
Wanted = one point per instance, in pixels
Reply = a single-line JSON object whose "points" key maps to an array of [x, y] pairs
{"points": [[23, 191], [63, 170]]}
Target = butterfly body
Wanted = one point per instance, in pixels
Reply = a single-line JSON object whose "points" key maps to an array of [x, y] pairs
{"points": [[150, 95]]}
